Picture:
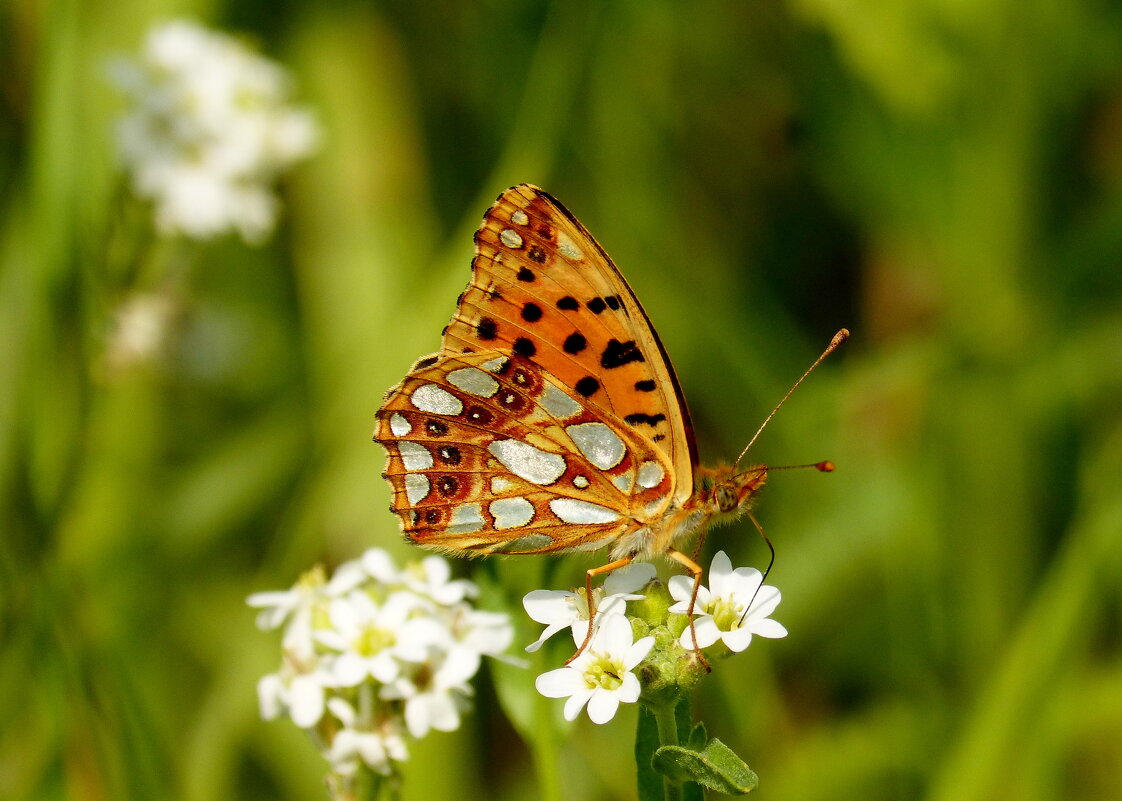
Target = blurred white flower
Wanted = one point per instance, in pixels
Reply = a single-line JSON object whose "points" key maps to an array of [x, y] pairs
{"points": [[560, 609], [299, 692], [432, 578], [141, 324], [375, 652], [377, 744], [433, 697], [373, 641], [732, 608], [295, 607], [208, 129], [600, 676]]}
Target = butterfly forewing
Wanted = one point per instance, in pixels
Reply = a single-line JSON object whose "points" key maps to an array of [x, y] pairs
{"points": [[544, 290], [488, 453]]}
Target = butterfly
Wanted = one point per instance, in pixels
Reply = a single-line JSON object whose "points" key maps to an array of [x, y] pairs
{"points": [[551, 419]]}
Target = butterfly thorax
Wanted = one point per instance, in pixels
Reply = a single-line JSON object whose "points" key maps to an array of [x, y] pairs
{"points": [[720, 496]]}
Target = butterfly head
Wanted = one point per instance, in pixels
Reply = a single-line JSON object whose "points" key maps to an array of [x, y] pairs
{"points": [[728, 492]]}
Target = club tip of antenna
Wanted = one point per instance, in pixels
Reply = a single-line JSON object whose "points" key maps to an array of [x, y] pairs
{"points": [[839, 338], [824, 467]]}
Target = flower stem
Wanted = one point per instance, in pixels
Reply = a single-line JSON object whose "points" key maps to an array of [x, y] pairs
{"points": [[667, 723]]}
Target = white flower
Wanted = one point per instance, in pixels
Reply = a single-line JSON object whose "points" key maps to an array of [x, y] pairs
{"points": [[384, 651], [373, 640], [489, 633], [374, 744], [560, 609], [297, 688], [435, 703], [601, 675], [294, 607], [732, 608], [432, 578], [379, 566], [207, 131]]}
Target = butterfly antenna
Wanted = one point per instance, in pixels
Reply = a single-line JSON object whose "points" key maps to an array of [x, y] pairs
{"points": [[840, 337], [770, 562]]}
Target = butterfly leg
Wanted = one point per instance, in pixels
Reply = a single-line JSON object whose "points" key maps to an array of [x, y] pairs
{"points": [[695, 571], [588, 576]]}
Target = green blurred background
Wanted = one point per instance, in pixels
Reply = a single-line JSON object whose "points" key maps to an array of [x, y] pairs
{"points": [[943, 178]]}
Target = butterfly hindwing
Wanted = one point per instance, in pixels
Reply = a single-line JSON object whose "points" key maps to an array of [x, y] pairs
{"points": [[543, 289], [487, 453]]}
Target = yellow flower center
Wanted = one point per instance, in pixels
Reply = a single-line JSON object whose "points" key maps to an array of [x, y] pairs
{"points": [[373, 640], [604, 673], [726, 614]]}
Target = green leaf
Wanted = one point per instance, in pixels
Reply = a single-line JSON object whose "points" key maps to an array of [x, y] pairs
{"points": [[715, 766]]}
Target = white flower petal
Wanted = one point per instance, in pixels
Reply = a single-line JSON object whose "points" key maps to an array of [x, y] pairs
{"points": [[769, 628], [552, 607], [346, 578], [629, 579], [342, 710], [602, 706], [720, 569], [459, 665], [613, 635], [270, 696], [576, 703], [737, 639], [548, 632], [379, 566], [743, 583], [638, 652], [630, 690], [349, 669], [707, 633], [417, 718], [767, 599], [306, 701], [680, 589], [443, 713], [560, 682]]}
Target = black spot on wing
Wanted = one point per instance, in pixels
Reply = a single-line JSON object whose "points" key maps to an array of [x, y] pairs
{"points": [[568, 303], [531, 312], [526, 275], [487, 328], [596, 305], [524, 347], [617, 354], [645, 386], [575, 343], [535, 253], [587, 386], [641, 418]]}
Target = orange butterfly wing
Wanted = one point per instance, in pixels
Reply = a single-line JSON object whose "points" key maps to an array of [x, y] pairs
{"points": [[534, 256], [551, 419]]}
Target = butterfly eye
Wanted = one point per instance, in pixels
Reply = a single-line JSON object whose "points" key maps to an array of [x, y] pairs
{"points": [[726, 498]]}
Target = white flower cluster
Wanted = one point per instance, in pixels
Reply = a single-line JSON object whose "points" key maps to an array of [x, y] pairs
{"points": [[733, 608], [375, 653], [208, 130]]}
